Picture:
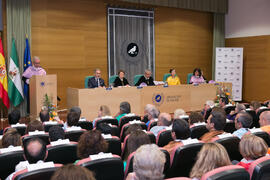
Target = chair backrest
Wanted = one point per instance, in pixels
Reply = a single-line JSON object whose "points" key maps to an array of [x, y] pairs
{"points": [[74, 135], [86, 79], [126, 126], [112, 79], [264, 135], [112, 121], [44, 137], [231, 145], [105, 168], [151, 124], [189, 77], [228, 109], [255, 122], [198, 131], [179, 178], [20, 129], [62, 154], [8, 161], [136, 78], [230, 127], [125, 119], [183, 159], [260, 111], [114, 145], [165, 76], [260, 169], [151, 136], [40, 174], [48, 126], [85, 125], [226, 173], [164, 137]]}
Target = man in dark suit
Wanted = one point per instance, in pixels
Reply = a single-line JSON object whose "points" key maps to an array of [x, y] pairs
{"points": [[147, 79], [96, 81]]}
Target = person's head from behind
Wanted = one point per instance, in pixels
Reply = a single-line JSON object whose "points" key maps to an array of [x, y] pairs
{"points": [[132, 128], [77, 110], [56, 133], [73, 119], [11, 138], [135, 140], [151, 111], [209, 104], [172, 72], [34, 125], [36, 62], [197, 72], [149, 162], [211, 156], [195, 117], [180, 129], [97, 73], [243, 120], [252, 147], [91, 142], [125, 108], [240, 108], [223, 101], [44, 115], [104, 111], [121, 74], [164, 119], [72, 172], [104, 128], [217, 119], [264, 118], [255, 105], [178, 113], [35, 150], [14, 117], [147, 73]]}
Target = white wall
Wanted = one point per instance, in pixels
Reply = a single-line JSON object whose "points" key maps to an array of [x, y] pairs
{"points": [[247, 18]]}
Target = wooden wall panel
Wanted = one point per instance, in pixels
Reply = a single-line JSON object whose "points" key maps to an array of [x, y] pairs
{"points": [[70, 37], [256, 66]]}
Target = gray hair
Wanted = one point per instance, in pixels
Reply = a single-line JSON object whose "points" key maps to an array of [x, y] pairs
{"points": [[178, 113], [76, 109], [97, 69], [152, 110], [149, 162], [245, 119], [36, 58], [147, 70], [240, 107], [125, 107]]}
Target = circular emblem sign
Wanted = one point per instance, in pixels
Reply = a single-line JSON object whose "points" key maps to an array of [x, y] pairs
{"points": [[132, 49], [157, 99]]}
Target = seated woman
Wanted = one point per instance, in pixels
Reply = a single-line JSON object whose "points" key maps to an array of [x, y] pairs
{"points": [[34, 125], [197, 77], [173, 79], [11, 138], [251, 147], [102, 112], [120, 80], [211, 156]]}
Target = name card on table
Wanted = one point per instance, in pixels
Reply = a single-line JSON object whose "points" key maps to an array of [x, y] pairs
{"points": [[33, 167], [101, 156]]}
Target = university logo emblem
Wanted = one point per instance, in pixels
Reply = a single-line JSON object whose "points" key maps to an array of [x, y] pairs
{"points": [[42, 84], [2, 71], [158, 99], [132, 49]]}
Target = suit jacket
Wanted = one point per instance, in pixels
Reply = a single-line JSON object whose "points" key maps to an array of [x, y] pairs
{"points": [[117, 82], [92, 83], [149, 82]]}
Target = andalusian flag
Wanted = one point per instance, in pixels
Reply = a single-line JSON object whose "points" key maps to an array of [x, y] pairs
{"points": [[15, 92], [3, 77]]}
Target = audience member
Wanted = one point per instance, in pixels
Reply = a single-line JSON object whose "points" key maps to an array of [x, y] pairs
{"points": [[151, 112], [102, 112], [104, 128], [34, 125], [56, 133], [11, 138], [180, 131], [223, 101], [239, 108], [251, 148], [197, 77], [132, 128], [146, 79], [178, 113], [44, 115], [255, 105], [72, 121], [96, 81], [164, 121], [215, 124], [124, 110], [77, 110], [242, 122], [209, 104], [148, 163], [90, 143], [194, 118], [265, 121], [14, 117], [211, 156], [173, 79], [120, 80], [72, 172]]}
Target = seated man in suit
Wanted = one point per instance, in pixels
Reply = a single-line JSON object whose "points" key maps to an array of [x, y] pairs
{"points": [[147, 79], [96, 81]]}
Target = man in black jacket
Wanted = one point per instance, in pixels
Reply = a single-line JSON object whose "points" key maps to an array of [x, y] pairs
{"points": [[147, 79], [96, 81]]}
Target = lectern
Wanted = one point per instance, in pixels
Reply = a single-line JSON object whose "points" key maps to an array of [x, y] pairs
{"points": [[39, 87]]}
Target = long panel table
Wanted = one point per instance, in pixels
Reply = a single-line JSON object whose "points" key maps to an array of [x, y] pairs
{"points": [[167, 99]]}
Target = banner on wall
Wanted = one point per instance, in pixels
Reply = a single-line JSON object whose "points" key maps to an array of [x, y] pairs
{"points": [[229, 68]]}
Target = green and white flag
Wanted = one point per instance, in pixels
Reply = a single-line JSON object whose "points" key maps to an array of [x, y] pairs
{"points": [[15, 92]]}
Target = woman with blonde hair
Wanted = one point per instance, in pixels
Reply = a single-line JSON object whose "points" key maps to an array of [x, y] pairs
{"points": [[251, 147], [102, 112], [211, 156]]}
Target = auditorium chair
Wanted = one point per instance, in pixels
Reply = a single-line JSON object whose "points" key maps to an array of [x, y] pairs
{"points": [[260, 169], [179, 178], [207, 114], [43, 137], [125, 119], [255, 122], [48, 126], [107, 168], [230, 143], [226, 173], [20, 129], [129, 166], [261, 110], [264, 135], [229, 108], [165, 77], [111, 121], [198, 131], [151, 136], [136, 78], [114, 145], [40, 174], [112, 79], [86, 79], [62, 154], [74, 135], [183, 158], [164, 137], [127, 125], [8, 161], [230, 127], [87, 125], [151, 124], [145, 119]]}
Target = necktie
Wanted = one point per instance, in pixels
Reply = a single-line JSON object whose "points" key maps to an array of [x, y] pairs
{"points": [[98, 83]]}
